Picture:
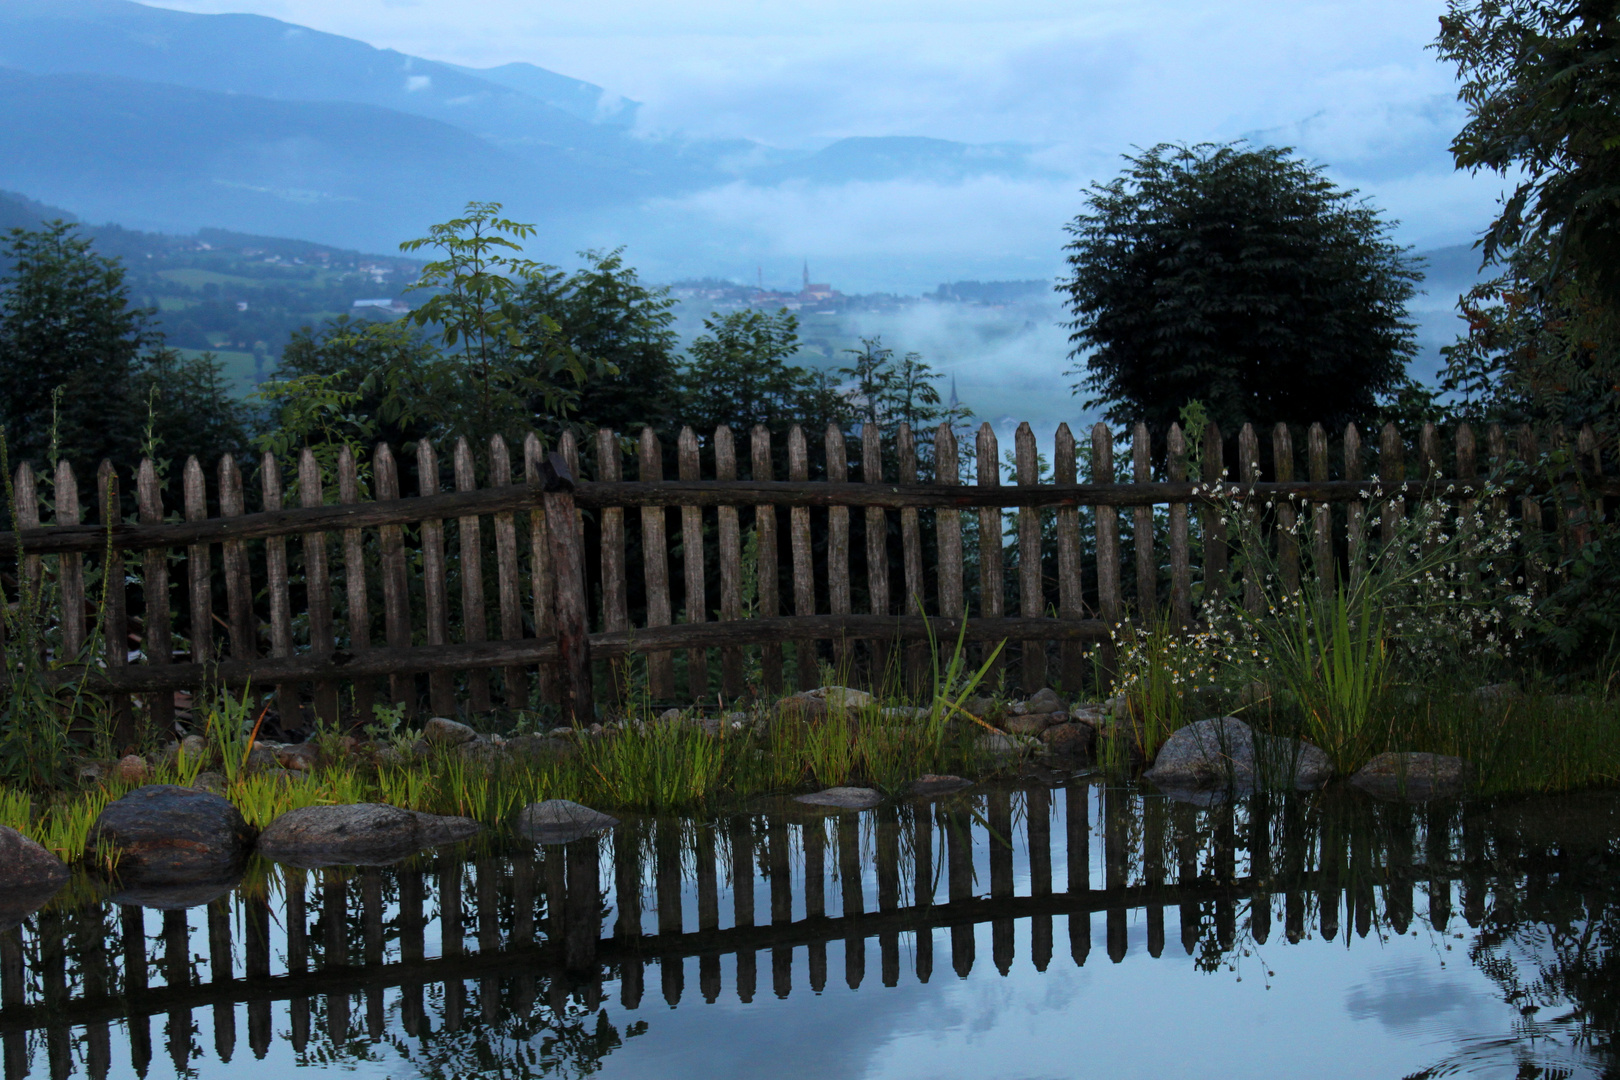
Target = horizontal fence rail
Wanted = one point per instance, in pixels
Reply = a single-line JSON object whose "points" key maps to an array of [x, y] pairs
{"points": [[491, 579]]}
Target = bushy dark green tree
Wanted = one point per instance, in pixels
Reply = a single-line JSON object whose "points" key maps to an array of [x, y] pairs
{"points": [[888, 392], [605, 314], [81, 364], [1239, 277], [740, 373]]}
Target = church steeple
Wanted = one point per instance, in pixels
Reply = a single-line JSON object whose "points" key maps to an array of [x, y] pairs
{"points": [[807, 275]]}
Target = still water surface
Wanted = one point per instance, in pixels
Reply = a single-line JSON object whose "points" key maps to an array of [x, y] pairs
{"points": [[1021, 933]]}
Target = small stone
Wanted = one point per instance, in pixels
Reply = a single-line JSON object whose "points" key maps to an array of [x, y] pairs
{"points": [[194, 747], [1071, 740], [981, 706], [480, 750], [92, 772], [261, 756], [843, 697], [801, 708], [670, 716], [1089, 713], [210, 781], [442, 731], [1029, 723], [1044, 700], [132, 769], [842, 798], [29, 877], [930, 784], [299, 757], [358, 834], [1413, 776], [561, 821], [994, 742], [168, 835]]}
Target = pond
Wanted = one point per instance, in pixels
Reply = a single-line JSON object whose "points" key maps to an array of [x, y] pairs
{"points": [[1020, 932]]}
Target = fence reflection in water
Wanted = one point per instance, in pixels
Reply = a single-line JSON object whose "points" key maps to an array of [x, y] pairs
{"points": [[528, 943]]}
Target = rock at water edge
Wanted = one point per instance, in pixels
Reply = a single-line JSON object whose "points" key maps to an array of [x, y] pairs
{"points": [[1414, 776], [359, 834], [842, 798], [168, 835], [561, 821]]}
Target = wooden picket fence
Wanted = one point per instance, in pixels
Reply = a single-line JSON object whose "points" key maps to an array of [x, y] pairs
{"points": [[316, 634]]}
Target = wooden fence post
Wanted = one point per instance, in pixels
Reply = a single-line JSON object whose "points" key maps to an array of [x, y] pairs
{"points": [[1213, 528], [1355, 511], [317, 587], [992, 585], [357, 603], [1031, 602], [395, 583], [731, 605], [877, 547], [697, 592], [1391, 470], [199, 571], [441, 684], [572, 612], [1108, 598], [157, 642], [1147, 563], [615, 575], [69, 566], [765, 567], [470, 550], [804, 580], [1254, 594], [1282, 463], [1071, 594], [911, 546], [1321, 513], [514, 679], [655, 568], [1180, 543], [838, 588], [115, 624]]}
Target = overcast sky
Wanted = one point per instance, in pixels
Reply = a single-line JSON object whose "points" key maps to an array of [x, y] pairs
{"points": [[1351, 84]]}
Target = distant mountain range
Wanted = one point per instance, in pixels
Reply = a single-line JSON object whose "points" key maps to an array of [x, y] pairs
{"points": [[169, 120]]}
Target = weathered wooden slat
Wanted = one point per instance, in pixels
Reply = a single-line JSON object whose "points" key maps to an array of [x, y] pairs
{"points": [[1071, 595], [26, 511], [1282, 462], [615, 575], [877, 547], [1147, 561], [911, 552], [470, 554], [395, 583], [731, 599], [1324, 567], [1031, 602], [1213, 528], [1108, 591], [1391, 473], [992, 593], [1180, 541], [804, 581], [697, 588], [838, 585], [765, 567], [508, 578], [1429, 470], [655, 568], [1355, 513], [1535, 567], [1254, 596], [115, 615], [490, 654], [243, 624], [357, 601], [572, 613], [596, 496], [70, 567], [542, 583], [317, 586], [157, 641], [435, 582]]}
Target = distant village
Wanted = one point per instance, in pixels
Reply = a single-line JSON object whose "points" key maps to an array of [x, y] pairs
{"points": [[820, 298]]}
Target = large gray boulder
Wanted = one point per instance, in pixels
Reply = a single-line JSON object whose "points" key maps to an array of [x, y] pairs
{"points": [[442, 731], [168, 835], [361, 834], [1414, 776], [29, 877], [842, 798], [1225, 752], [561, 821]]}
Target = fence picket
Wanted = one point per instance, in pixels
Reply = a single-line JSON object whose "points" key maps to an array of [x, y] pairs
{"points": [[317, 587], [395, 583], [275, 561], [1147, 563], [697, 604], [1254, 597], [435, 584], [542, 582], [731, 602], [357, 603], [1180, 543], [992, 587], [804, 581], [157, 641], [948, 527], [911, 548], [1282, 464], [1391, 470], [26, 511], [1102, 466], [1355, 512], [838, 586], [877, 547], [615, 576], [655, 568], [470, 552], [1213, 527], [1071, 594], [1321, 513], [508, 590], [115, 616], [70, 566], [244, 625], [765, 568], [1031, 602]]}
